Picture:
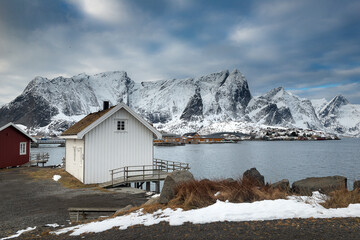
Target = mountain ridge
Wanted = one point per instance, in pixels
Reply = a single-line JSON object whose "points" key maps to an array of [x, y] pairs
{"points": [[219, 101]]}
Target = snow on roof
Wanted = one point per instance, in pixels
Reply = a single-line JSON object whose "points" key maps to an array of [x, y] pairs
{"points": [[17, 128]]}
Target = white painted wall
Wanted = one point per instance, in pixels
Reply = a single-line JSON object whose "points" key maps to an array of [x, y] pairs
{"points": [[106, 148], [74, 155]]}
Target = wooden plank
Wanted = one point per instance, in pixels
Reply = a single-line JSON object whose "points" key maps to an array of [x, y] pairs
{"points": [[93, 209]]}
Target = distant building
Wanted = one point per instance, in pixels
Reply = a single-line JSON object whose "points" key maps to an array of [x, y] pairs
{"points": [[191, 138], [170, 139], [112, 138], [14, 146]]}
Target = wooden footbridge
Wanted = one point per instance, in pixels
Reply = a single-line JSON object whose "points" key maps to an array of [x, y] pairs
{"points": [[48, 141], [144, 174]]}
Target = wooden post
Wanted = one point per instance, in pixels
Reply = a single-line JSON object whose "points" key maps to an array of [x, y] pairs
{"points": [[157, 186], [112, 177], [148, 186], [127, 173]]}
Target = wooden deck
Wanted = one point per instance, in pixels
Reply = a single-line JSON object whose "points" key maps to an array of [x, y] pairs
{"points": [[145, 173], [81, 214], [156, 175]]}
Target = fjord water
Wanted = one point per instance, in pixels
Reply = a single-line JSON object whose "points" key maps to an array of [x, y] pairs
{"points": [[276, 160], [293, 160]]}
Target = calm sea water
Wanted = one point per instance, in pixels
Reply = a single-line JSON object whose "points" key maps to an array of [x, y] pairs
{"points": [[293, 160], [277, 160]]}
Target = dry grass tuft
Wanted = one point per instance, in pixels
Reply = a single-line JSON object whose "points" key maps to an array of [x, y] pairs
{"points": [[342, 198], [197, 194], [66, 179]]}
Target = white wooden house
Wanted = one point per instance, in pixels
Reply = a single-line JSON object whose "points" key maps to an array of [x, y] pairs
{"points": [[108, 139]]}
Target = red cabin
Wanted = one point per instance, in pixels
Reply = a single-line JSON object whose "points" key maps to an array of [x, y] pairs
{"points": [[14, 146]]}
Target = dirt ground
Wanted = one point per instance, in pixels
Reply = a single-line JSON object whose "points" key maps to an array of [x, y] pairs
{"points": [[28, 202]]}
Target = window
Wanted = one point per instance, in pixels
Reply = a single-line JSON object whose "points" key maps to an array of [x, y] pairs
{"points": [[121, 125], [23, 148]]}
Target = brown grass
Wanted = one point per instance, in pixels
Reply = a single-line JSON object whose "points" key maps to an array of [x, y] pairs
{"points": [[66, 179], [198, 194], [342, 198]]}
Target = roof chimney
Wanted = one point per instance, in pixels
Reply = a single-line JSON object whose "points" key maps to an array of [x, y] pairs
{"points": [[106, 105]]}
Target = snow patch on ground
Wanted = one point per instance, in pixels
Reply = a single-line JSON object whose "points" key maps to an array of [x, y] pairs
{"points": [[155, 196], [53, 225], [293, 207], [56, 178], [18, 233]]}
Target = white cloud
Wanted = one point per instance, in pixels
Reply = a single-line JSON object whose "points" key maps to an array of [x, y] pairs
{"points": [[110, 11], [246, 34], [348, 72]]}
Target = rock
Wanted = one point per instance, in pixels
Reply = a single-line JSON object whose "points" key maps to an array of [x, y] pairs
{"points": [[357, 184], [283, 185], [173, 179], [321, 184], [230, 180], [122, 210], [254, 175], [154, 200]]}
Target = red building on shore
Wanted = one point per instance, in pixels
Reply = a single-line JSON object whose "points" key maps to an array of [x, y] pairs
{"points": [[14, 146]]}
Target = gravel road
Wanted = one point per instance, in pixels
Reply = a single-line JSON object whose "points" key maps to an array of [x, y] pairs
{"points": [[26, 202]]}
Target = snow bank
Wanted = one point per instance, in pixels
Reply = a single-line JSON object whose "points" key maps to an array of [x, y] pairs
{"points": [[293, 207]]}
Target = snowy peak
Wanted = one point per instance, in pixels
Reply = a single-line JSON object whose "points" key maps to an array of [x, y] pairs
{"points": [[333, 106], [275, 93], [341, 117], [278, 107]]}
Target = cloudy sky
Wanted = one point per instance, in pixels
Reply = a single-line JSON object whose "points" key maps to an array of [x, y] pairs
{"points": [[311, 48]]}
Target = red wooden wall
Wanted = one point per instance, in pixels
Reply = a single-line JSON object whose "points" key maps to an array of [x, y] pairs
{"points": [[10, 139]]}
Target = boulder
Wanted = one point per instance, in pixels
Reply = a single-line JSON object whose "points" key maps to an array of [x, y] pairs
{"points": [[357, 184], [171, 181], [254, 175], [153, 200], [122, 210], [321, 184], [283, 185]]}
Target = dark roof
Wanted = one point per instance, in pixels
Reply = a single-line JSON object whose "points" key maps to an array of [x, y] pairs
{"points": [[85, 122], [170, 135], [190, 134]]}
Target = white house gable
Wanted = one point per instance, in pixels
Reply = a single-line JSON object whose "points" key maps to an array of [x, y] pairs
{"points": [[120, 140]]}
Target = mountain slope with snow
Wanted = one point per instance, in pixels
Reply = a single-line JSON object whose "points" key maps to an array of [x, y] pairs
{"points": [[278, 107], [339, 116], [216, 102]]}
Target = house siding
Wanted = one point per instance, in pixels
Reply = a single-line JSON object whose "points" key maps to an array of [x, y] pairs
{"points": [[74, 155], [106, 148], [10, 139]]}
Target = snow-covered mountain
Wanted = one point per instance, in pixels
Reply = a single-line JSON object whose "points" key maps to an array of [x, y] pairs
{"points": [[215, 102], [279, 107], [339, 116]]}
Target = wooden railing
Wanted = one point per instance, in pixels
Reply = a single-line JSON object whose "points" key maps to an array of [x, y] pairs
{"points": [[39, 158], [146, 172]]}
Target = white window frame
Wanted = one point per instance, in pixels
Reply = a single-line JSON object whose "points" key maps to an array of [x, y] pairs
{"points": [[125, 125], [23, 148]]}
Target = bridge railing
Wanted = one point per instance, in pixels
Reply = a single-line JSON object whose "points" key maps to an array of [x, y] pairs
{"points": [[144, 172]]}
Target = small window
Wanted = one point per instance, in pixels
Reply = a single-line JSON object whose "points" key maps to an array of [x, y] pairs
{"points": [[23, 148], [120, 125]]}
